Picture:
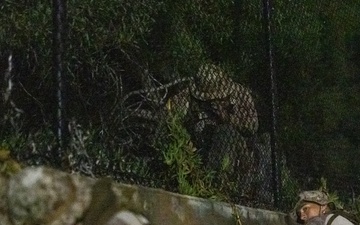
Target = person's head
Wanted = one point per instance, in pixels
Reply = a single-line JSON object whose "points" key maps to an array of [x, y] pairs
{"points": [[311, 204]]}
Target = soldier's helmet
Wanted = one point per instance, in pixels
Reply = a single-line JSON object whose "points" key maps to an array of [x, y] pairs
{"points": [[211, 82], [314, 196], [318, 197]]}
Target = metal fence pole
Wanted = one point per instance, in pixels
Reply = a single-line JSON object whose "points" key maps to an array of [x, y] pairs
{"points": [[58, 51], [267, 9]]}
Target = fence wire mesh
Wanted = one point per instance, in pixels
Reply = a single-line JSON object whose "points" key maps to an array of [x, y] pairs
{"points": [[179, 95]]}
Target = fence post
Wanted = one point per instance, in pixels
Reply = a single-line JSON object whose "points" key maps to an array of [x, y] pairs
{"points": [[267, 9], [58, 52]]}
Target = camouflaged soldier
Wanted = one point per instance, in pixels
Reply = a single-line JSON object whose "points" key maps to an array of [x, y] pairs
{"points": [[315, 208], [221, 118]]}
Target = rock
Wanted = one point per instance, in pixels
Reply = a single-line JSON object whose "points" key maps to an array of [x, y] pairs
{"points": [[41, 195], [46, 196]]}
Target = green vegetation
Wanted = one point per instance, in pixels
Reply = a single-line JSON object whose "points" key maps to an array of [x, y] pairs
{"points": [[185, 164]]}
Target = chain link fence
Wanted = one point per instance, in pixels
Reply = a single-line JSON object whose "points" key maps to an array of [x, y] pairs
{"points": [[247, 102]]}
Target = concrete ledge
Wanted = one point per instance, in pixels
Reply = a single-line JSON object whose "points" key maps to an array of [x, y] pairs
{"points": [[46, 196], [163, 208]]}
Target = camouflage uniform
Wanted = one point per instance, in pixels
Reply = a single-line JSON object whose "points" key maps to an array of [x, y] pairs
{"points": [[320, 198]]}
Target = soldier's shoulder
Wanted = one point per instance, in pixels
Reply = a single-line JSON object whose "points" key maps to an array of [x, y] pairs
{"points": [[318, 220]]}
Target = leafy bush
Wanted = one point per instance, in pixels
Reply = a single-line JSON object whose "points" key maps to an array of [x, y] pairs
{"points": [[184, 161]]}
